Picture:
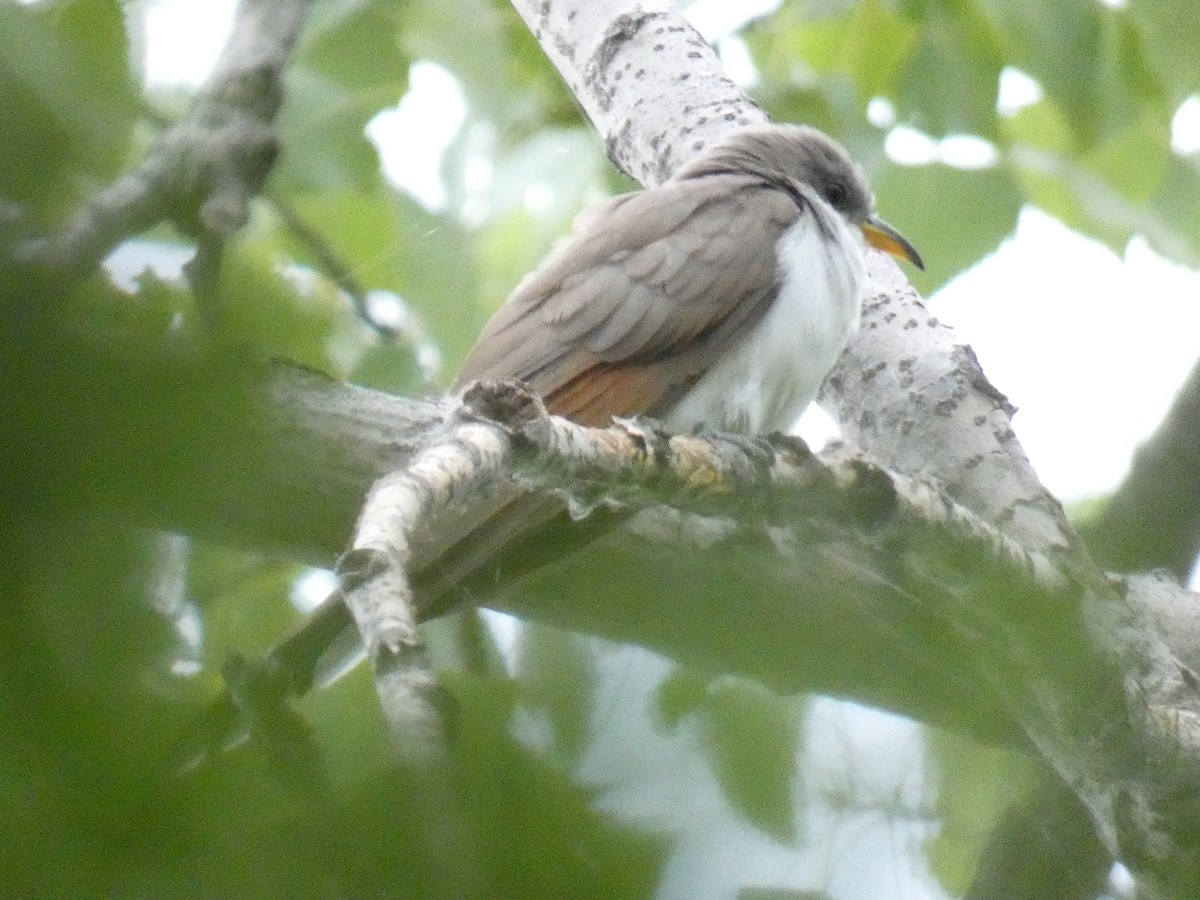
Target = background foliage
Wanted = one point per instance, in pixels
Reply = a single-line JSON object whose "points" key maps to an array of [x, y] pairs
{"points": [[113, 636]]}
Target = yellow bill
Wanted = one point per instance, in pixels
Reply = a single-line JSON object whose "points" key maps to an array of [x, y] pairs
{"points": [[882, 236]]}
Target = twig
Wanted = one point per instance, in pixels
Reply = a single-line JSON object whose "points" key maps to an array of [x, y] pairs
{"points": [[408, 328]]}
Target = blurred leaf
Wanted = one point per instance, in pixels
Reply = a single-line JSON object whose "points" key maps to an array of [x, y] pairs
{"points": [[349, 66], [1173, 228], [809, 105], [975, 786], [1061, 45], [537, 831], [953, 216], [389, 241], [1168, 29], [1039, 125], [556, 672], [303, 320], [249, 609], [470, 39], [354, 43], [356, 745], [67, 99], [1129, 87], [1134, 161], [750, 737], [156, 311], [537, 190], [391, 366], [1129, 184], [795, 88], [680, 695], [949, 83], [868, 44], [1039, 139], [321, 127]]}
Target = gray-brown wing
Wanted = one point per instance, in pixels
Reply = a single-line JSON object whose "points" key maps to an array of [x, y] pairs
{"points": [[639, 299]]}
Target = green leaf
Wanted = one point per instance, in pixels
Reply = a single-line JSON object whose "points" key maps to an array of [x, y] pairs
{"points": [[556, 673], [349, 66], [869, 44], [940, 69], [949, 83], [1174, 227], [389, 241], [976, 784], [354, 43], [265, 309], [1169, 30], [67, 99], [953, 216], [1068, 47], [566, 167], [750, 736], [1134, 161], [1039, 143], [827, 106], [469, 38], [538, 833], [1130, 183]]}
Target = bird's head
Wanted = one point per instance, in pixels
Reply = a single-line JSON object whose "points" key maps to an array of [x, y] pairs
{"points": [[789, 154]]}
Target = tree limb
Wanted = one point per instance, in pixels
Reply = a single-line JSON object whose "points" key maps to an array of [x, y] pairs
{"points": [[502, 441], [200, 174]]}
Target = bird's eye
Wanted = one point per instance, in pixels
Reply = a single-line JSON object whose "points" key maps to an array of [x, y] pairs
{"points": [[836, 195]]}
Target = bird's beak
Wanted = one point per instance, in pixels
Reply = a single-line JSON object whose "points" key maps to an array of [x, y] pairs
{"points": [[882, 236]]}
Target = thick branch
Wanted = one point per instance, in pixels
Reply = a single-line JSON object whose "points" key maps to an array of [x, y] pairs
{"points": [[280, 458], [780, 494], [652, 86]]}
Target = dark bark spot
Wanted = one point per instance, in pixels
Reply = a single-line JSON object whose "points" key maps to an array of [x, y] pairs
{"points": [[356, 567], [869, 373]]}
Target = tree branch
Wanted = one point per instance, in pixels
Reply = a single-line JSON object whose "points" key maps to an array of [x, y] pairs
{"points": [[503, 437], [202, 173]]}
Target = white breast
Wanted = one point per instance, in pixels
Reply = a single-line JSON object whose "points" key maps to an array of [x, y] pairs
{"points": [[766, 380]]}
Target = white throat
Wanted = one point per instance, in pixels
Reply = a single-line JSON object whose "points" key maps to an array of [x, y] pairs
{"points": [[765, 381]]}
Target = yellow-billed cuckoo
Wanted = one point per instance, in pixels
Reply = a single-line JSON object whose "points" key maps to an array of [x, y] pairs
{"points": [[722, 297]]}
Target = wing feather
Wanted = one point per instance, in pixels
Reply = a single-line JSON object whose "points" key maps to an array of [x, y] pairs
{"points": [[634, 307]]}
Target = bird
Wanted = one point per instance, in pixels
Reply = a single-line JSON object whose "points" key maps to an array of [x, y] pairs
{"points": [[720, 298]]}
